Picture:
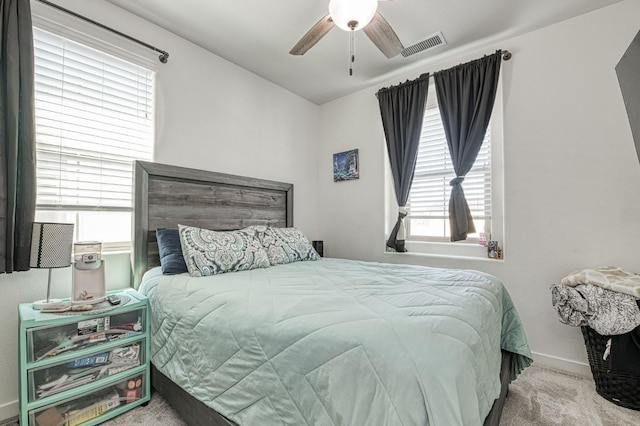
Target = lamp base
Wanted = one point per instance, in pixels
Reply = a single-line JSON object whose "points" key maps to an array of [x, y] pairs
{"points": [[51, 303]]}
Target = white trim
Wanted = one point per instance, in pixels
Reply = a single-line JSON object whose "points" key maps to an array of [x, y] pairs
{"points": [[411, 253], [462, 249], [562, 364], [68, 26], [8, 411]]}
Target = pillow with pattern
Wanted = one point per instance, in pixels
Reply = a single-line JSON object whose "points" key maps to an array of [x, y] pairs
{"points": [[209, 252], [286, 245]]}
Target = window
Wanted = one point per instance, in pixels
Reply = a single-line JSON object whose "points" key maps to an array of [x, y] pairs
{"points": [[428, 204], [94, 117]]}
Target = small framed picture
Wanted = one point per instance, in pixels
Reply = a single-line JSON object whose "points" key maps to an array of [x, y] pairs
{"points": [[346, 166]]}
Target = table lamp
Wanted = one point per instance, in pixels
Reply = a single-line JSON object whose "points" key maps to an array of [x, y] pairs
{"points": [[50, 248]]}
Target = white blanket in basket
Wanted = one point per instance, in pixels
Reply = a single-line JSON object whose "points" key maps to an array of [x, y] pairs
{"points": [[609, 277]]}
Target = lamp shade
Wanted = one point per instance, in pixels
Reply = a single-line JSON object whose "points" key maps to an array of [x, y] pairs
{"points": [[359, 12], [51, 245]]}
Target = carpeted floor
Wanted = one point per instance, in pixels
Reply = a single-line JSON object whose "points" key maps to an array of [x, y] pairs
{"points": [[543, 397], [539, 397]]}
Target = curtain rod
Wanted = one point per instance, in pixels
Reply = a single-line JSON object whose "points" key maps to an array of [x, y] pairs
{"points": [[164, 56], [506, 55]]}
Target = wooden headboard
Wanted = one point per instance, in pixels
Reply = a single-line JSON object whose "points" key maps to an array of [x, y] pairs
{"points": [[165, 196]]}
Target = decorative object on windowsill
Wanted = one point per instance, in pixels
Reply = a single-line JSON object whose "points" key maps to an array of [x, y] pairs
{"points": [[88, 273], [494, 251], [483, 237], [345, 166], [50, 248]]}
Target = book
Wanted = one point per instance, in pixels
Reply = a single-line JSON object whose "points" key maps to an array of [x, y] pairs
{"points": [[126, 355], [79, 416], [94, 325], [88, 361]]}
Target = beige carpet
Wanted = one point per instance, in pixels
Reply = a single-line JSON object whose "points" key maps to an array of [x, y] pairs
{"points": [[539, 397], [545, 397]]}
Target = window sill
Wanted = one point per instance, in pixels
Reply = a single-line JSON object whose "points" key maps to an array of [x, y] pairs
{"points": [[460, 251], [115, 252], [446, 256]]}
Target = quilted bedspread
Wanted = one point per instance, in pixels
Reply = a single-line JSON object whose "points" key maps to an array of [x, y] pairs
{"points": [[337, 342]]}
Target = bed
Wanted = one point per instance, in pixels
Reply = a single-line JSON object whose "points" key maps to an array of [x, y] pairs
{"points": [[329, 341]]}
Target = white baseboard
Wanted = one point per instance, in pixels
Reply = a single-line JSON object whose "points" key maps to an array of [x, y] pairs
{"points": [[8, 410], [567, 365]]}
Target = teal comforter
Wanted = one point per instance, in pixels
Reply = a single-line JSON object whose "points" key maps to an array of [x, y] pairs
{"points": [[337, 342]]}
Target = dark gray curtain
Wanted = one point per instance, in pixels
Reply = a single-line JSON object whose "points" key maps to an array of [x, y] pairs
{"points": [[466, 94], [17, 135], [402, 110]]}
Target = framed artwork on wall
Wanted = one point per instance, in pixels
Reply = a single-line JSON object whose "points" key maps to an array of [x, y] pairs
{"points": [[345, 166]]}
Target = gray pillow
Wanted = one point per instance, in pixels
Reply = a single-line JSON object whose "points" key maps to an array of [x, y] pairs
{"points": [[209, 252], [286, 245]]}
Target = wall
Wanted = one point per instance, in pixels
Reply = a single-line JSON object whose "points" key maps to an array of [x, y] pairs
{"points": [[211, 115], [571, 172], [570, 165]]}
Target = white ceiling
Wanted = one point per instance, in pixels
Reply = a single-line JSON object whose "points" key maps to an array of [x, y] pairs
{"points": [[258, 34]]}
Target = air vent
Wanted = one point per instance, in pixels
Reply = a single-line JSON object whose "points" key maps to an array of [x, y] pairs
{"points": [[428, 43]]}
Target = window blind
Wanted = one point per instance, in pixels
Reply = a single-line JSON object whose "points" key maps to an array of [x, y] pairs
{"points": [[430, 191], [94, 116]]}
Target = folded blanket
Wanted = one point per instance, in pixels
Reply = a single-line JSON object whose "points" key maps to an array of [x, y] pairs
{"points": [[610, 277], [607, 312]]}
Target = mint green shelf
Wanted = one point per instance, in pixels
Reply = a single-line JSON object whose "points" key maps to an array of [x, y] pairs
{"points": [[31, 320]]}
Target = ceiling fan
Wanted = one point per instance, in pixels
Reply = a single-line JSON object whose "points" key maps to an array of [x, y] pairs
{"points": [[353, 15]]}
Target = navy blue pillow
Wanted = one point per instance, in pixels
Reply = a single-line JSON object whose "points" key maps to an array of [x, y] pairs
{"points": [[171, 259]]}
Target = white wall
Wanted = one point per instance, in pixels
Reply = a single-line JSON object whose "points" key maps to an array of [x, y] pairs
{"points": [[211, 115], [572, 177], [570, 166]]}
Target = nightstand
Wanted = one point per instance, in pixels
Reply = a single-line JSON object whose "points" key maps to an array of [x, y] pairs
{"points": [[83, 369]]}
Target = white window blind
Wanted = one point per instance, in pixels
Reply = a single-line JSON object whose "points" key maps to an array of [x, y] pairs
{"points": [[430, 192], [94, 117]]}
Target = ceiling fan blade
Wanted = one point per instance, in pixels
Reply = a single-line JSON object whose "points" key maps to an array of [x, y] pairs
{"points": [[319, 30], [383, 36]]}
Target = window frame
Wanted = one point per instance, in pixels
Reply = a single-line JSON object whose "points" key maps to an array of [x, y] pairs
{"points": [[80, 32], [443, 246], [432, 104]]}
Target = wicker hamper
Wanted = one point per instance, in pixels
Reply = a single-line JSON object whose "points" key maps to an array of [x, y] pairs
{"points": [[621, 389]]}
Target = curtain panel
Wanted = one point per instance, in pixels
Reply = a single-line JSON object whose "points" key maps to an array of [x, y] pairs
{"points": [[402, 111], [17, 135], [466, 94]]}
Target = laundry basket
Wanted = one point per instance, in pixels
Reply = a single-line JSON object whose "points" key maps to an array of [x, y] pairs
{"points": [[621, 389]]}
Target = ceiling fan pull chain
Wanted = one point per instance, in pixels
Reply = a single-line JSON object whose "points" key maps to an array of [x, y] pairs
{"points": [[352, 56]]}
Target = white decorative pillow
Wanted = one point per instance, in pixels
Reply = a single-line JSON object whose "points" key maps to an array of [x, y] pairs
{"points": [[286, 245], [209, 252]]}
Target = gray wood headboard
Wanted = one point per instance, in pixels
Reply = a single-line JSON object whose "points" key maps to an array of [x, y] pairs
{"points": [[165, 196]]}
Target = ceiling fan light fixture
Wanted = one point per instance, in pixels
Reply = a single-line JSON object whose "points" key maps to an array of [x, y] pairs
{"points": [[345, 13]]}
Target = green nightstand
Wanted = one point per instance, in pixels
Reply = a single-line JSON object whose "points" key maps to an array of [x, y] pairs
{"points": [[86, 368]]}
